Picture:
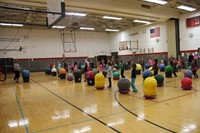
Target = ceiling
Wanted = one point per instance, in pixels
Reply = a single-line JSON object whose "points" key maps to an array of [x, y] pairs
{"points": [[33, 13]]}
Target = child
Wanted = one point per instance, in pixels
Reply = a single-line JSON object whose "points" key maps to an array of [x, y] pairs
{"points": [[109, 73], [17, 71], [133, 78], [179, 64], [155, 67], [174, 68], [194, 68], [122, 67]]}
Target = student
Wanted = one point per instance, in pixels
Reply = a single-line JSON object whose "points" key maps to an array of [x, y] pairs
{"points": [[87, 68], [75, 66], [109, 73], [174, 68], [179, 64], [151, 62], [122, 67], [155, 67], [17, 71], [133, 77], [194, 68]]}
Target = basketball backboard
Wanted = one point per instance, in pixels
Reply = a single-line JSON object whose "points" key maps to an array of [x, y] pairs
{"points": [[56, 11]]}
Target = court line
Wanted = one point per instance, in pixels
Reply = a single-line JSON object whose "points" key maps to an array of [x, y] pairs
{"points": [[52, 128], [76, 107], [140, 117], [21, 112]]}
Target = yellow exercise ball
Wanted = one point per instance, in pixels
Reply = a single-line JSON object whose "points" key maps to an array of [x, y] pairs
{"points": [[138, 67], [99, 81], [150, 88], [152, 71]]}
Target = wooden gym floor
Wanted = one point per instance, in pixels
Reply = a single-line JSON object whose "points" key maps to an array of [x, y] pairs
{"points": [[50, 105]]}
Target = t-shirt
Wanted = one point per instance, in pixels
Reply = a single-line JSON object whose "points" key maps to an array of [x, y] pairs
{"points": [[16, 67], [133, 73]]}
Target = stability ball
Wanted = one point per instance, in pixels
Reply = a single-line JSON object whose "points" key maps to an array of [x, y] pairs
{"points": [[138, 69], [152, 71], [90, 78], [146, 73], [95, 71], [77, 75], [48, 71], [160, 79], [162, 67], [186, 83], [188, 73], [62, 73], [26, 75], [70, 77], [53, 71], [147, 66], [168, 71], [116, 75], [123, 86], [99, 81], [150, 88]]}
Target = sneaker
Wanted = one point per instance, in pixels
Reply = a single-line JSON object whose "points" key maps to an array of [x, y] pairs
{"points": [[134, 90]]}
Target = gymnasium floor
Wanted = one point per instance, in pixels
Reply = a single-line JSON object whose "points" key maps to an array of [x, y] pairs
{"points": [[50, 105]]}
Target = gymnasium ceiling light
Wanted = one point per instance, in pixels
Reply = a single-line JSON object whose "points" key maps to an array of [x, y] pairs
{"points": [[87, 28], [8, 24], [114, 18], [161, 2], [111, 30], [75, 14], [142, 21], [187, 8]]}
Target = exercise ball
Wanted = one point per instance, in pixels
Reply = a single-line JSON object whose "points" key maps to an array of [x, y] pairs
{"points": [[82, 67], [90, 74], [48, 71], [168, 71], [188, 73], [162, 67], [189, 67], [152, 71], [26, 75], [116, 75], [138, 69], [77, 75], [147, 66], [62, 73], [95, 71], [90, 78], [53, 71], [99, 81], [160, 79], [124, 86], [150, 88], [146, 73], [186, 83], [70, 76]]}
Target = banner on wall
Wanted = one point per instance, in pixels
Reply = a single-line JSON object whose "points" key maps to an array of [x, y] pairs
{"points": [[155, 32], [194, 21]]}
